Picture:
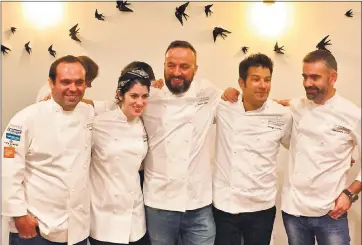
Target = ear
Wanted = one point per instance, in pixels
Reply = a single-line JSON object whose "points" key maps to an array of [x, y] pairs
{"points": [[241, 83], [196, 67], [334, 76], [51, 83]]}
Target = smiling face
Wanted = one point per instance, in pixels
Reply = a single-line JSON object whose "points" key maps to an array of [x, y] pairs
{"points": [[318, 81], [69, 86], [257, 86], [180, 69], [134, 101]]}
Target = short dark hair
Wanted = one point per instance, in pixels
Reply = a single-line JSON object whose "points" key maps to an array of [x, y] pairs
{"points": [[141, 65], [92, 69], [181, 44], [255, 60], [321, 55], [64, 59]]}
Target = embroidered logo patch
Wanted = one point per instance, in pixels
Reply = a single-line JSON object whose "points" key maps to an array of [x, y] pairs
{"points": [[14, 131], [13, 137], [341, 129], [203, 100], [9, 152]]}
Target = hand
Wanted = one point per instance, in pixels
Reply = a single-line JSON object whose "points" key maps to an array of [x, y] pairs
{"points": [[26, 226], [342, 204], [231, 95], [157, 83], [48, 97], [282, 102]]}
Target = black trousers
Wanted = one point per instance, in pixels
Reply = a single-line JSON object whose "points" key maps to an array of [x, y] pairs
{"points": [[255, 228], [143, 241], [142, 177], [15, 239]]}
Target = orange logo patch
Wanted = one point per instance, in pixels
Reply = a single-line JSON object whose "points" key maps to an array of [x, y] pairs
{"points": [[9, 152]]}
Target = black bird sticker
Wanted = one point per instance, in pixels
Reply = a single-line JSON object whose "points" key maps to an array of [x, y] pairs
{"points": [[218, 31], [98, 16], [13, 29], [278, 50], [27, 47], [73, 33], [245, 49], [4, 49], [180, 12], [51, 51], [323, 43], [122, 6], [349, 13], [208, 10]]}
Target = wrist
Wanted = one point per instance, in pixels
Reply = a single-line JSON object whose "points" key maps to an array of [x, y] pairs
{"points": [[351, 195]]}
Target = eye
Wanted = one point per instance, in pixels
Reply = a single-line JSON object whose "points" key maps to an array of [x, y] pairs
{"points": [[134, 96], [185, 67], [145, 96]]}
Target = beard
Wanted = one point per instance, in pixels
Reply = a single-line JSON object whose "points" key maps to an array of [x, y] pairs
{"points": [[314, 92], [180, 88]]}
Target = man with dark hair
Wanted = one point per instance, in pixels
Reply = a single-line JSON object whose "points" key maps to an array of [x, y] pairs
{"points": [[248, 137], [326, 129], [45, 163], [92, 72]]}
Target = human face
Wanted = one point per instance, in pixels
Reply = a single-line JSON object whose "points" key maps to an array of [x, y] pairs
{"points": [[69, 85], [318, 81], [256, 88], [180, 69], [134, 101]]}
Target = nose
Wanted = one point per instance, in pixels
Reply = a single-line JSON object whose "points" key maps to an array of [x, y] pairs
{"points": [[262, 84], [72, 87], [177, 71], [140, 101], [307, 82]]}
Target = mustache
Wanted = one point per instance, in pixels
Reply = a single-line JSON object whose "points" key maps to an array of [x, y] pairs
{"points": [[177, 77], [312, 88]]}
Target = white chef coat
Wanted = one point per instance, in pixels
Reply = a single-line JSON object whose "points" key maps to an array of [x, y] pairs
{"points": [[247, 145], [178, 164], [118, 148], [48, 175], [322, 141]]}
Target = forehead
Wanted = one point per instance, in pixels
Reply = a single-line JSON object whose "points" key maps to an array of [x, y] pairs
{"points": [[316, 67], [259, 71], [181, 55], [70, 71], [138, 88]]}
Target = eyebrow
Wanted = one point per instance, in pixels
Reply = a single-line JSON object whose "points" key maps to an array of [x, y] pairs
{"points": [[254, 75]]}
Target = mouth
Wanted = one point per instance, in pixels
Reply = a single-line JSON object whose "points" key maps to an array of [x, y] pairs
{"points": [[311, 91], [177, 81], [72, 97], [138, 110]]}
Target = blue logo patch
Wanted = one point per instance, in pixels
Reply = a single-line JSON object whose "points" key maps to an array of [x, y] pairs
{"points": [[13, 137]]}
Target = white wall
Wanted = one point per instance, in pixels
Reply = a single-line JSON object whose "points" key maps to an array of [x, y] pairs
{"points": [[145, 34]]}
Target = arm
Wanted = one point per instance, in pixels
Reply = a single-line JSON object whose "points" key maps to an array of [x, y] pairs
{"points": [[285, 140], [15, 141], [343, 203]]}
